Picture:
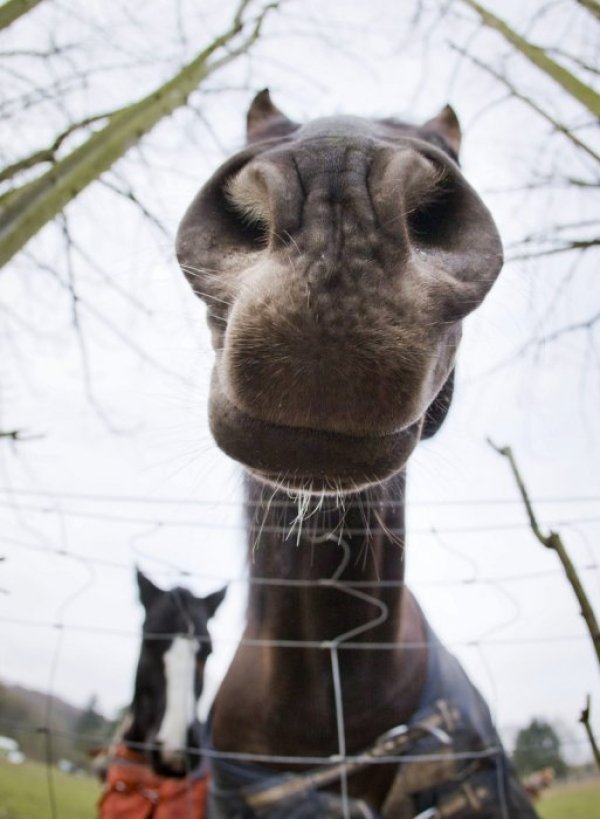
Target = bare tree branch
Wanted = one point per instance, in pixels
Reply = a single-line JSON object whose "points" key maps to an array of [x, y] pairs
{"points": [[540, 341], [127, 193], [84, 355], [13, 9], [40, 54], [567, 247], [553, 541], [13, 434], [49, 154], [112, 327], [533, 105], [17, 435], [109, 281], [586, 66], [592, 6], [569, 328], [584, 719], [536, 55], [34, 204]]}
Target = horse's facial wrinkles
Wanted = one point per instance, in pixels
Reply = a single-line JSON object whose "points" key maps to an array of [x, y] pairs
{"points": [[337, 260]]}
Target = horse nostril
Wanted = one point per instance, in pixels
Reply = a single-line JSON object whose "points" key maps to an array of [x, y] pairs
{"points": [[251, 227], [247, 203], [267, 200], [435, 222]]}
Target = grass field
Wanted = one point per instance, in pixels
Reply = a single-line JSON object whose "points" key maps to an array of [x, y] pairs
{"points": [[572, 801], [24, 793]]}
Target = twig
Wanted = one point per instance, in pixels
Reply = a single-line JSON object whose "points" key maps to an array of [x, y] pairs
{"points": [[17, 435], [49, 154], [585, 94], [586, 66], [563, 129], [538, 342], [35, 203], [113, 327], [592, 6], [127, 193], [13, 434], [553, 541], [575, 327], [584, 719], [576, 244], [84, 355]]}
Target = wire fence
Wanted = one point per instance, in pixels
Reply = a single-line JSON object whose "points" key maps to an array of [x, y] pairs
{"points": [[64, 508]]}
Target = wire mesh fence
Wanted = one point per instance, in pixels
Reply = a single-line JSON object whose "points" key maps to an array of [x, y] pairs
{"points": [[76, 517]]}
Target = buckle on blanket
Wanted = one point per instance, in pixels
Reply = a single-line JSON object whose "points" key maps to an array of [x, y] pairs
{"points": [[389, 741]]}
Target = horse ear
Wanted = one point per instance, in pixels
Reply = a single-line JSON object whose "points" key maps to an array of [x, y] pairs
{"points": [[213, 601], [148, 591], [438, 409], [446, 124], [265, 119]]}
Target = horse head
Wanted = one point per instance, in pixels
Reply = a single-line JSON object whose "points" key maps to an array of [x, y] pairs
{"points": [[337, 260], [169, 676]]}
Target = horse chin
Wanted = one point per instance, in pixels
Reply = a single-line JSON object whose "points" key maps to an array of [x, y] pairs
{"points": [[313, 461]]}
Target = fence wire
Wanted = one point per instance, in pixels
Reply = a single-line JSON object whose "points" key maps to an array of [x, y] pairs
{"points": [[62, 508]]}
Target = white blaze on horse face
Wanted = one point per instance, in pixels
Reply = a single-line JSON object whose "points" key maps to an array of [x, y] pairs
{"points": [[180, 663]]}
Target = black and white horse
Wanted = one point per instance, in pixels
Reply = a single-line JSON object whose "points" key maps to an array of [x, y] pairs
{"points": [[169, 677]]}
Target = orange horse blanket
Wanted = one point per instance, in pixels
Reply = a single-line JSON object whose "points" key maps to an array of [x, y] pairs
{"points": [[133, 791]]}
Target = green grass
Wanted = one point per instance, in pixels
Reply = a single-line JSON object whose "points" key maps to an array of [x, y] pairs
{"points": [[571, 801], [24, 793]]}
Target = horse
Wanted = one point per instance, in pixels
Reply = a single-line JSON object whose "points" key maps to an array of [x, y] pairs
{"points": [[337, 260], [154, 767]]}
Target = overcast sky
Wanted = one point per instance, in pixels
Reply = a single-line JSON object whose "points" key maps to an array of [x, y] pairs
{"points": [[94, 479]]}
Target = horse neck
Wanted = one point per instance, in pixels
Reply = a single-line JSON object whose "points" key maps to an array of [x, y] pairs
{"points": [[307, 556], [334, 578]]}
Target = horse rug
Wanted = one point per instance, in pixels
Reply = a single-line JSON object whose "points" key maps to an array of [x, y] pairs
{"points": [[451, 765], [133, 791]]}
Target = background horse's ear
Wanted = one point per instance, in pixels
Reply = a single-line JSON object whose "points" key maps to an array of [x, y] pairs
{"points": [[265, 119], [438, 409], [213, 601], [148, 591], [446, 125]]}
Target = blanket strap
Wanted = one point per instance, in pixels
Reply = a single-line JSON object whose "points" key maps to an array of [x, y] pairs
{"points": [[440, 723]]}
